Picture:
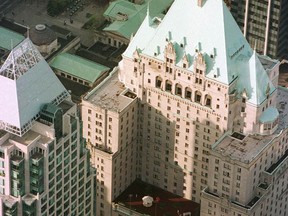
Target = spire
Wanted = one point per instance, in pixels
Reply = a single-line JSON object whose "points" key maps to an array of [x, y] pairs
{"points": [[255, 45], [200, 3], [149, 19]]}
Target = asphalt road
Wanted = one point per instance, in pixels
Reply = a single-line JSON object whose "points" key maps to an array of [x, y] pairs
{"points": [[7, 5], [33, 12]]}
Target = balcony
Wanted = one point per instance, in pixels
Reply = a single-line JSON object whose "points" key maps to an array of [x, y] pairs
{"points": [[246, 208], [210, 195], [263, 186], [277, 169]]}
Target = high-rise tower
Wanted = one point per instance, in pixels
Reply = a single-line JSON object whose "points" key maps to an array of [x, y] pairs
{"points": [[264, 23], [45, 167], [189, 81]]}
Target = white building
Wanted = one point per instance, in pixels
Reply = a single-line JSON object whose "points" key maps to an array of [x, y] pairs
{"points": [[44, 167], [196, 79]]}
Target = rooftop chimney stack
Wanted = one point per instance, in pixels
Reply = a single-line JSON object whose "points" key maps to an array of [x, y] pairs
{"points": [[200, 3]]}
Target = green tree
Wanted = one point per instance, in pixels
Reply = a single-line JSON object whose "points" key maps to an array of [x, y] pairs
{"points": [[56, 7]]}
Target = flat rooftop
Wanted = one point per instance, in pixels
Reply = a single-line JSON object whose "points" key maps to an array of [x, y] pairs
{"points": [[167, 204], [242, 148], [9, 201], [30, 137], [111, 94], [246, 148]]}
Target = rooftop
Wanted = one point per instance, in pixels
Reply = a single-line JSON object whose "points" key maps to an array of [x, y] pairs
{"points": [[9, 201], [243, 149], [42, 35], [167, 203], [227, 54], [26, 83], [78, 67], [111, 94], [9, 38], [29, 199], [267, 62], [30, 137], [128, 16]]}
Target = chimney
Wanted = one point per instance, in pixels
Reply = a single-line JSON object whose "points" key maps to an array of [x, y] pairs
{"points": [[200, 3]]}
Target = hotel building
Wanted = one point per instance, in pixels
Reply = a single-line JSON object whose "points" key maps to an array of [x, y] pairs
{"points": [[44, 165], [187, 86]]}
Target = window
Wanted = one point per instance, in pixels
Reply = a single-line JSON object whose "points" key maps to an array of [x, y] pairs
{"points": [[158, 82], [168, 86], [208, 101], [178, 90], [188, 93], [197, 97]]}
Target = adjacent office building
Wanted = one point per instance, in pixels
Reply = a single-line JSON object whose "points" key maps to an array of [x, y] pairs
{"points": [[45, 167], [194, 110], [264, 24]]}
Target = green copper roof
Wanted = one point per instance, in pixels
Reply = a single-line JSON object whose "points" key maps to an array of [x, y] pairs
{"points": [[9, 38], [135, 15], [212, 30], [269, 115], [78, 67]]}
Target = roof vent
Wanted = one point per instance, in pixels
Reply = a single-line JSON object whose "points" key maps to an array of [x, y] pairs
{"points": [[147, 201], [200, 3], [40, 27]]}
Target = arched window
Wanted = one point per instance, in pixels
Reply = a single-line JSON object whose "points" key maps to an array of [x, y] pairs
{"points": [[197, 97], [188, 93], [178, 90], [208, 100], [168, 86], [158, 82]]}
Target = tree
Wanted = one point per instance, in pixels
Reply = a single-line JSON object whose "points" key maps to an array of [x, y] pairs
{"points": [[56, 7]]}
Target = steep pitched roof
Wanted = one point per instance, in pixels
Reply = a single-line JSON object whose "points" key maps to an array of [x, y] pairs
{"points": [[259, 81], [26, 84], [78, 67], [135, 15], [210, 29]]}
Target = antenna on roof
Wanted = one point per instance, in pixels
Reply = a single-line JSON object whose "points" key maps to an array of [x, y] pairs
{"points": [[255, 45]]}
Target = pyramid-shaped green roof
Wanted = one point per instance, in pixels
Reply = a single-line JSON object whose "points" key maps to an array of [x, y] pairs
{"points": [[210, 29]]}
